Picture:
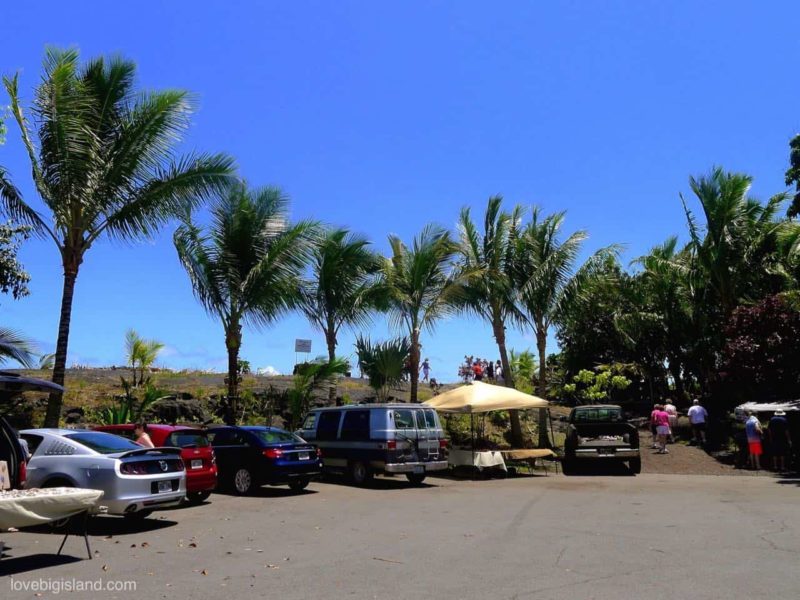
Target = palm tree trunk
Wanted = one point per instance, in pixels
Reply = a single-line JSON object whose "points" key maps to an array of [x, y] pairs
{"points": [[508, 378], [55, 401], [541, 345], [233, 342], [414, 360], [330, 338]]}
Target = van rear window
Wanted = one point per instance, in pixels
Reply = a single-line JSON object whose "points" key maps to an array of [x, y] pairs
{"points": [[404, 419]]}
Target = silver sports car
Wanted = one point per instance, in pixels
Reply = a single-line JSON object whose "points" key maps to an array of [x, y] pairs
{"points": [[135, 480]]}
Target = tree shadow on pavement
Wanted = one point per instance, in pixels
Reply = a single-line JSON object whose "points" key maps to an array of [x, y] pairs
{"points": [[23, 564]]}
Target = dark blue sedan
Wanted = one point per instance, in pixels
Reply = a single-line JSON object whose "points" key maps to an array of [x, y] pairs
{"points": [[252, 456]]}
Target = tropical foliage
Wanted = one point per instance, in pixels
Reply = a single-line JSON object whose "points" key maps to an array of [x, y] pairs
{"points": [[15, 347], [13, 277], [384, 363], [422, 287], [140, 353], [103, 163], [344, 288], [490, 287], [308, 381], [132, 406], [247, 267]]}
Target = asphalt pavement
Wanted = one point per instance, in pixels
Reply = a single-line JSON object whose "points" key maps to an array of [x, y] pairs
{"points": [[605, 537]]}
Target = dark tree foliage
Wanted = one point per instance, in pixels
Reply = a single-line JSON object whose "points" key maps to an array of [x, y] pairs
{"points": [[761, 358], [793, 176], [13, 278]]}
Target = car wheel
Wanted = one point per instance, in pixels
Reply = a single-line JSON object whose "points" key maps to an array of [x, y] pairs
{"points": [[360, 473], [139, 515], [242, 482], [635, 465], [298, 484], [198, 497], [415, 478], [568, 466]]}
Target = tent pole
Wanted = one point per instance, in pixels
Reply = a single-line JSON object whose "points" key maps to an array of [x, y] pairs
{"points": [[472, 436], [552, 435]]}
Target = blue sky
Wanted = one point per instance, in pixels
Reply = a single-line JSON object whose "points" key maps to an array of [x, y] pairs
{"points": [[384, 116]]}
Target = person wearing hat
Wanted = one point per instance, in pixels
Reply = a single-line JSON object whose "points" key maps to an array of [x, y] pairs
{"points": [[698, 416], [779, 440]]}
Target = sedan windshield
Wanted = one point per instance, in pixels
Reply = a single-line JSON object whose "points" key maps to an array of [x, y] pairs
{"points": [[104, 443], [275, 436]]}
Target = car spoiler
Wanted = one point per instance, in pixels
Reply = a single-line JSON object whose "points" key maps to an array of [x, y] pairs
{"points": [[162, 449]]}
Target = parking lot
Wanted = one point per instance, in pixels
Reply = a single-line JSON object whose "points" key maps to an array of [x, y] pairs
{"points": [[652, 536]]}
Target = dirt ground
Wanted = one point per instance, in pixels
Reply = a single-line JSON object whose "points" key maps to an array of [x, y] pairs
{"points": [[683, 460]]}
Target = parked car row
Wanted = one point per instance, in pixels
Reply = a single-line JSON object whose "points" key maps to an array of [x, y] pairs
{"points": [[188, 463]]}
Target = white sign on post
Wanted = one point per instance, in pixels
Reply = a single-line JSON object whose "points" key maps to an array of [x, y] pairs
{"points": [[302, 346]]}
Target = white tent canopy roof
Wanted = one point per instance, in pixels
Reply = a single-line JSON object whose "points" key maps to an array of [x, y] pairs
{"points": [[479, 397]]}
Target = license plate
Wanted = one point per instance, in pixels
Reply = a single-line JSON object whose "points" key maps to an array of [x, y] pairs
{"points": [[304, 456], [197, 463], [164, 486], [419, 469], [608, 451]]}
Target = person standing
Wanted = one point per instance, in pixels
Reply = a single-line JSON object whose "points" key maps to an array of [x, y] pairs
{"points": [[752, 428], [653, 425], [426, 370], [672, 411], [490, 371], [142, 437], [498, 373], [477, 370], [698, 416], [662, 428], [779, 440]]}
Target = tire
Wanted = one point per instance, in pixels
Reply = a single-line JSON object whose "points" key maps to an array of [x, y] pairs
{"points": [[139, 515], [298, 485], [635, 465], [242, 482], [360, 473], [198, 497], [568, 466], [415, 478]]}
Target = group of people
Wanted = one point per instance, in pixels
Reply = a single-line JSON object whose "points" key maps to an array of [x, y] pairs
{"points": [[780, 440], [664, 418], [480, 369]]}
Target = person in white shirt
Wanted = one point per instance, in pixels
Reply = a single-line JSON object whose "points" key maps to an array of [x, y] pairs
{"points": [[670, 409], [697, 417]]}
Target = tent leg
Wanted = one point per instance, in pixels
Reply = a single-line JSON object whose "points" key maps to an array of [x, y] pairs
{"points": [[552, 435], [472, 439]]}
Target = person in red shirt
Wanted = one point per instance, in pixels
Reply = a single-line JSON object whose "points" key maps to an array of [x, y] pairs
{"points": [[477, 371]]}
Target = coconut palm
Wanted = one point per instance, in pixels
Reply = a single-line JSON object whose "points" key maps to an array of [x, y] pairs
{"points": [[246, 269], [490, 292], [422, 287], [549, 279], [141, 352], [344, 288], [15, 347], [105, 166]]}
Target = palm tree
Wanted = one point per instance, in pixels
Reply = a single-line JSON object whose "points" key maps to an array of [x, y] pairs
{"points": [[550, 279], [141, 352], [344, 287], [15, 347], [422, 287], [490, 292], [313, 377], [247, 268], [105, 167]]}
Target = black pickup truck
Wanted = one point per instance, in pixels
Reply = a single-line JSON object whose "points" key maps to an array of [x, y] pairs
{"points": [[600, 432]]}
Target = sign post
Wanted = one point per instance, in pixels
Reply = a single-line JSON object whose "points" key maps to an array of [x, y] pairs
{"points": [[303, 346]]}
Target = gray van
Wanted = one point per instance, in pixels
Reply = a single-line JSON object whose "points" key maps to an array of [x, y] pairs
{"points": [[364, 439]]}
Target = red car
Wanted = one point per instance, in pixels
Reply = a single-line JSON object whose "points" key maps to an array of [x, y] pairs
{"points": [[196, 452]]}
